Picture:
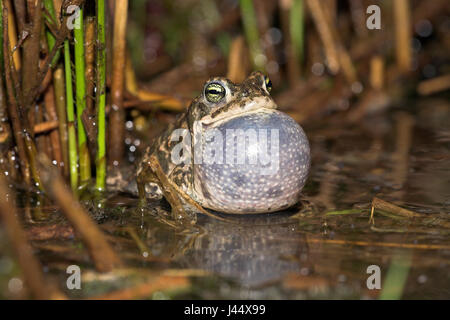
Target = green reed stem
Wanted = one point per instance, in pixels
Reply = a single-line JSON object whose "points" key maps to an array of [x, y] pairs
{"points": [[296, 21], [252, 34], [85, 165], [101, 100], [73, 153]]}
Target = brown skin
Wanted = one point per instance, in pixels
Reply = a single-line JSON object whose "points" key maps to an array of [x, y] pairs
{"points": [[176, 181]]}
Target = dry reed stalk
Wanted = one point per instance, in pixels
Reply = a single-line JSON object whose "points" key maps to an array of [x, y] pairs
{"points": [[29, 265], [403, 34], [378, 244], [263, 11], [338, 57], [21, 11], [405, 125], [434, 85], [164, 101], [49, 101], [103, 256], [377, 203], [13, 35], [331, 7], [30, 56], [358, 13], [47, 63], [130, 77], [60, 101], [145, 290], [117, 114], [145, 96], [238, 63], [377, 72], [325, 34], [89, 45], [53, 9], [12, 105], [293, 67], [46, 126], [43, 144]]}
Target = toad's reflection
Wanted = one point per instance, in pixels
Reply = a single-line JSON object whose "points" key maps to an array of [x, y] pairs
{"points": [[253, 249]]}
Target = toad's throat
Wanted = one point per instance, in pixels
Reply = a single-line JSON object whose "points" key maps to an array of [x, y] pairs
{"points": [[255, 105]]}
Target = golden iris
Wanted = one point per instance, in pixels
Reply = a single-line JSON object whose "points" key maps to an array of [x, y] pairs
{"points": [[268, 83], [214, 92]]}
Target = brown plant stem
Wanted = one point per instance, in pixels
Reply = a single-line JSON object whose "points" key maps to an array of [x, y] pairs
{"points": [[331, 7], [60, 102], [434, 85], [20, 9], [377, 72], [357, 10], [146, 289], [400, 158], [238, 63], [263, 11], [31, 6], [103, 256], [12, 105], [403, 36], [117, 114], [42, 142], [44, 127], [325, 33], [58, 4], [53, 13], [293, 67], [47, 63], [314, 240], [12, 34], [24, 141], [30, 57], [5, 128], [89, 45], [49, 99], [337, 56], [30, 266], [379, 204], [147, 97]]}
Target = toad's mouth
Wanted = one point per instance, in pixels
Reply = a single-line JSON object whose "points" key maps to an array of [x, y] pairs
{"points": [[238, 109]]}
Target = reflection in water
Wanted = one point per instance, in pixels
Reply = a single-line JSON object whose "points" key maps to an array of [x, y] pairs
{"points": [[250, 250]]}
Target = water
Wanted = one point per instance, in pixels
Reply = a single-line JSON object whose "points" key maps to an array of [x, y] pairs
{"points": [[319, 249]]}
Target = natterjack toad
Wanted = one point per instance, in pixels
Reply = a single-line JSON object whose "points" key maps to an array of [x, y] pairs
{"points": [[231, 152]]}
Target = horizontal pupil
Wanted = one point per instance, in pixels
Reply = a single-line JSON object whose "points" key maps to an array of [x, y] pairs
{"points": [[214, 92]]}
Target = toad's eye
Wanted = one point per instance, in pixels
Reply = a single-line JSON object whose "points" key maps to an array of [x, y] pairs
{"points": [[268, 83], [214, 92]]}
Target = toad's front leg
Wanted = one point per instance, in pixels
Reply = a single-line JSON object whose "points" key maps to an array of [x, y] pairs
{"points": [[152, 172]]}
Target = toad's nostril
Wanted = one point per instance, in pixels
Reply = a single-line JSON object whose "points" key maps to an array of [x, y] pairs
{"points": [[245, 93]]}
